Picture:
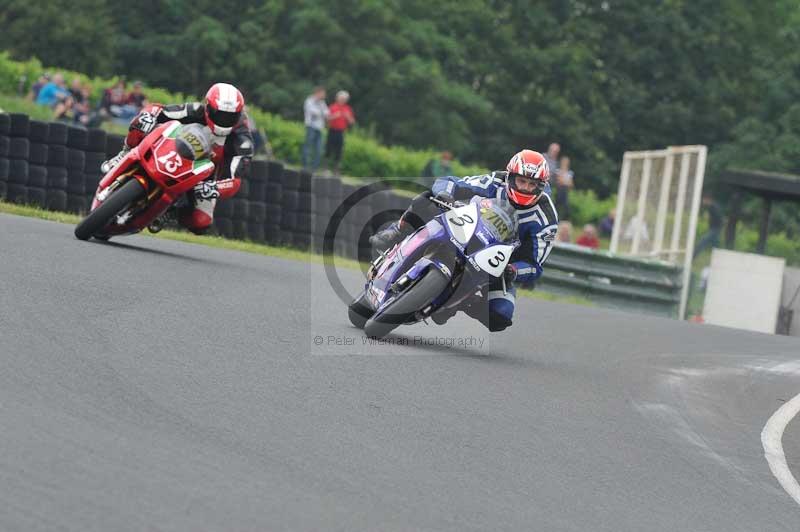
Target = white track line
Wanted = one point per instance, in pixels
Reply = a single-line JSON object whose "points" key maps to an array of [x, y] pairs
{"points": [[771, 438]]}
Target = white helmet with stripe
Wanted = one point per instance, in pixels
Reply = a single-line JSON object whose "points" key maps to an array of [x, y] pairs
{"points": [[224, 105]]}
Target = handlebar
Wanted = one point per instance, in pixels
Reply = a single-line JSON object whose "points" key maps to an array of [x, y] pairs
{"points": [[446, 205]]}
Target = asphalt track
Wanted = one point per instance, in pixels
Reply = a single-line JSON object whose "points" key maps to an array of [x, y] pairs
{"points": [[155, 385]]}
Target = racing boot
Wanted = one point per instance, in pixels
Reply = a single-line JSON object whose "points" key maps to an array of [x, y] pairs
{"points": [[396, 232], [111, 163]]}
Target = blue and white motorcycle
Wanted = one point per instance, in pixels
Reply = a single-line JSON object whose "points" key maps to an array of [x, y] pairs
{"points": [[445, 262]]}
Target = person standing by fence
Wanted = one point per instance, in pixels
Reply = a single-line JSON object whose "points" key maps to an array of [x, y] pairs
{"points": [[315, 113], [340, 118]]}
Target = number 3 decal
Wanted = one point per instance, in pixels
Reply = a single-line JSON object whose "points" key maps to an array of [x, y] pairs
{"points": [[461, 220], [498, 259]]}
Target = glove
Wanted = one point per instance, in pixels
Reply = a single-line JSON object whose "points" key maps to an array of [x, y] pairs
{"points": [[207, 190], [510, 273]]}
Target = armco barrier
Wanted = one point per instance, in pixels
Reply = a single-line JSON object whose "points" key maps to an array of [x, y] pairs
{"points": [[639, 285], [57, 166]]}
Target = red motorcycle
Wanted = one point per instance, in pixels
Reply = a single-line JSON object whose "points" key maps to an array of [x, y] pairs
{"points": [[148, 181]]}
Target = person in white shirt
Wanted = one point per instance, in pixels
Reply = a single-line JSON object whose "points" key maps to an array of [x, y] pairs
{"points": [[315, 112]]}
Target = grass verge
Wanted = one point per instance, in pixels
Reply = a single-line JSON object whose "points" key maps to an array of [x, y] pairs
{"points": [[246, 246]]}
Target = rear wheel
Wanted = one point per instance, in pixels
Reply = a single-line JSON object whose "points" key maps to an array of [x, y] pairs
{"points": [[412, 300], [359, 312], [117, 202]]}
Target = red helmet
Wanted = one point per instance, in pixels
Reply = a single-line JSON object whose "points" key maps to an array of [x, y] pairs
{"points": [[224, 104], [528, 165]]}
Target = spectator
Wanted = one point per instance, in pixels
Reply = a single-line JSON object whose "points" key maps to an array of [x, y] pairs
{"points": [[635, 225], [56, 96], [564, 233], [564, 182], [711, 238], [341, 117], [441, 167], [551, 156], [315, 112], [136, 98], [43, 80], [80, 102], [589, 237], [607, 223], [114, 98]]}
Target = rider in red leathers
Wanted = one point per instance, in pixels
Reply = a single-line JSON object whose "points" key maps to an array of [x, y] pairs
{"points": [[232, 147]]}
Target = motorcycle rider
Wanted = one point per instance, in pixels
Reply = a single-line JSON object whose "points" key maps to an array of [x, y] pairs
{"points": [[232, 147], [525, 186]]}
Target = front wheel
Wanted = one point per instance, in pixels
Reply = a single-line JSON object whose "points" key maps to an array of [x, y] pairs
{"points": [[412, 300], [117, 202]]}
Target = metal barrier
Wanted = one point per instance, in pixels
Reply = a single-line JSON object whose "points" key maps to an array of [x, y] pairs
{"points": [[640, 285]]}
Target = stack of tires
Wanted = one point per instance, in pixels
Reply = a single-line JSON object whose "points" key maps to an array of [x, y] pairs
{"points": [[57, 160], [97, 144], [273, 200], [18, 150], [36, 184], [256, 196], [5, 144], [325, 194]]}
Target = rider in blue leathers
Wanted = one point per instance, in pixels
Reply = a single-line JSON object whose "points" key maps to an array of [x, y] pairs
{"points": [[525, 185]]}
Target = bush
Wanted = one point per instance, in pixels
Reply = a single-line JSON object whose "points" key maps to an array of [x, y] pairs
{"points": [[363, 155], [586, 208]]}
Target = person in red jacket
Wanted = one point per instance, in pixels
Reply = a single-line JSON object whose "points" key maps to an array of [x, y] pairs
{"points": [[232, 147], [340, 118], [589, 237]]}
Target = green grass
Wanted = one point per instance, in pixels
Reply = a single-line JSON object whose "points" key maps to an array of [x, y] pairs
{"points": [[247, 247]]}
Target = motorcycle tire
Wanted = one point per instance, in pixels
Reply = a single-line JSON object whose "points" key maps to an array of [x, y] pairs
{"points": [[56, 155], [19, 148], [77, 137], [57, 134], [76, 203], [359, 312], [37, 131], [76, 159], [413, 299], [96, 140], [102, 215], [56, 200], [19, 126], [5, 123]]}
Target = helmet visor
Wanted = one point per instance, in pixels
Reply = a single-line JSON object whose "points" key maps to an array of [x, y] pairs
{"points": [[223, 118], [526, 184]]}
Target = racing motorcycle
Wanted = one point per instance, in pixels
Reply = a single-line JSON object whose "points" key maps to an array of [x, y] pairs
{"points": [[152, 179], [438, 267]]}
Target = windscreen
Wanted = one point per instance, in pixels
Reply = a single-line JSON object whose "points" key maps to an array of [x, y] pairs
{"points": [[499, 218]]}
